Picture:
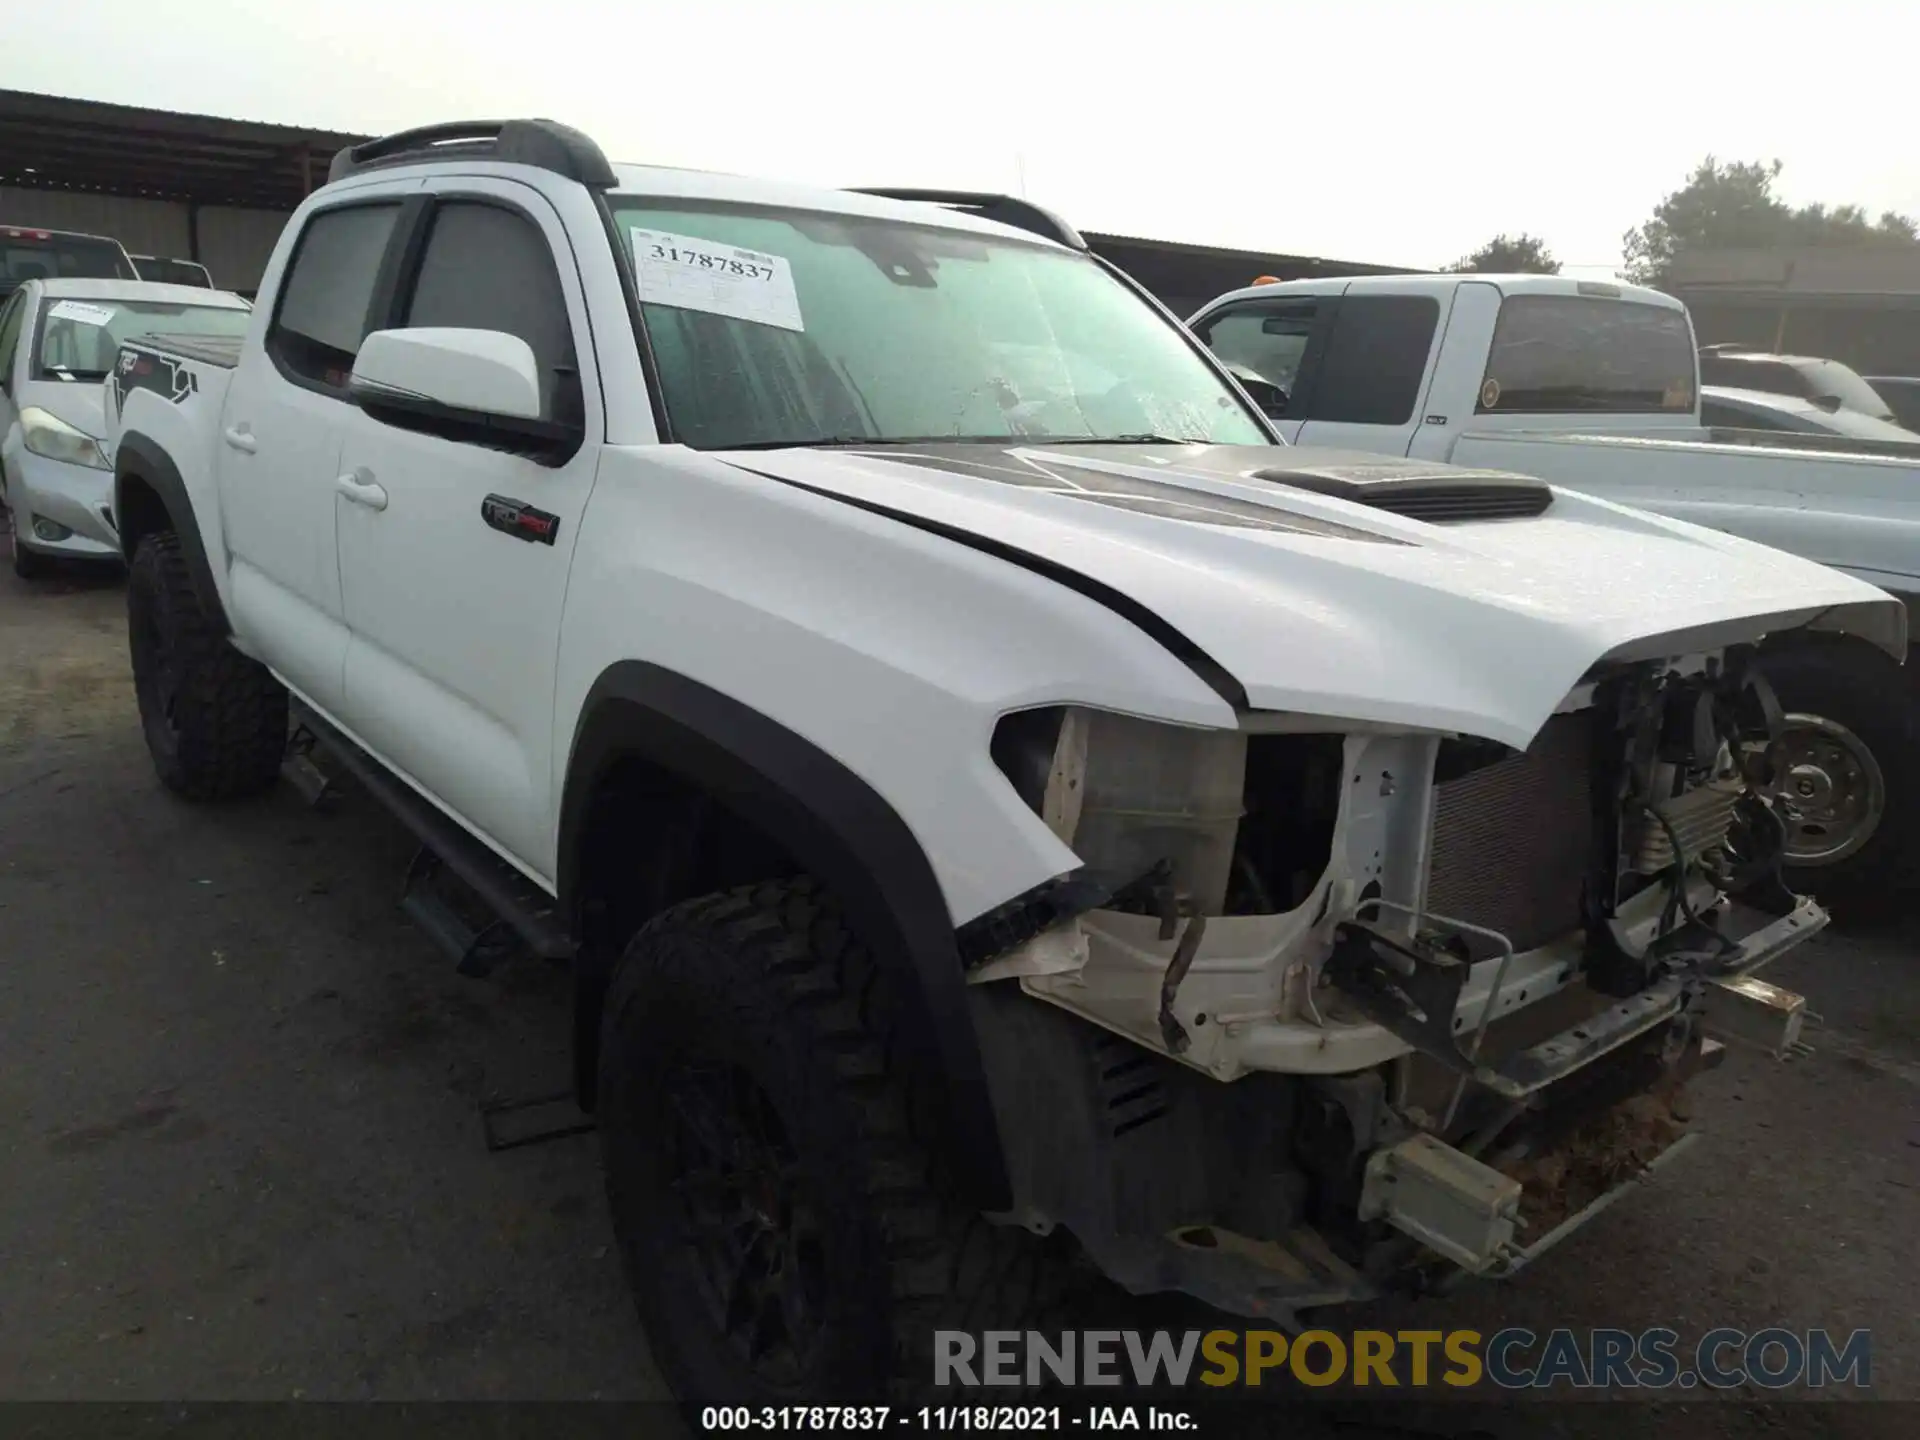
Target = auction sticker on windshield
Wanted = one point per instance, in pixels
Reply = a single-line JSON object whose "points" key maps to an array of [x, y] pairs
{"points": [[689, 273], [80, 312]]}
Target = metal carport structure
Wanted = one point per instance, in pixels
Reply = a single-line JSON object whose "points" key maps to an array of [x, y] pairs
{"points": [[200, 187]]}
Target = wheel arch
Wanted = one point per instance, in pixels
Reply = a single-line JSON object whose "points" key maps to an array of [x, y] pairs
{"points": [[150, 495], [831, 823]]}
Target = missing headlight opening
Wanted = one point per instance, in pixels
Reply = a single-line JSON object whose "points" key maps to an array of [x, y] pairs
{"points": [[1461, 987], [1244, 822], [1358, 884]]}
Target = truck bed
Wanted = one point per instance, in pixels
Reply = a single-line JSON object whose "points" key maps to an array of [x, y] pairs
{"points": [[1855, 511], [220, 350]]}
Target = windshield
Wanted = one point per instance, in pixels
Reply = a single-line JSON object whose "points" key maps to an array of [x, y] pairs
{"points": [[1578, 353], [78, 339], [776, 327], [48, 255]]}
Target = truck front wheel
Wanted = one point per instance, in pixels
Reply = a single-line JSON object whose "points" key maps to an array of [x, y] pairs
{"points": [[777, 1208], [215, 721], [1851, 795]]}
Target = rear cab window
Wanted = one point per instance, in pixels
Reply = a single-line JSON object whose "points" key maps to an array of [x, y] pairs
{"points": [[1565, 354]]}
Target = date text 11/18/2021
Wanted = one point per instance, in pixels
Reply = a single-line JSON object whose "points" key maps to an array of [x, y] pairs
{"points": [[945, 1419]]}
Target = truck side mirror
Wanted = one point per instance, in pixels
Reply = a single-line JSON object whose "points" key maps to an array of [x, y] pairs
{"points": [[479, 387]]}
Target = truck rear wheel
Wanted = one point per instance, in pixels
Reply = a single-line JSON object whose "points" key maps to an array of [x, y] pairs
{"points": [[777, 1208], [1852, 790], [215, 721]]}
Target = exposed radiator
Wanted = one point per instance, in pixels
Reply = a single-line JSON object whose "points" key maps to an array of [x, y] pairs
{"points": [[1511, 841]]}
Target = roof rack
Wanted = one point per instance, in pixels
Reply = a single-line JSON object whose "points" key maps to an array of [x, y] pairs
{"points": [[545, 144], [1005, 209]]}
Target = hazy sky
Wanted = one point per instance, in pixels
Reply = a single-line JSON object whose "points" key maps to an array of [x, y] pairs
{"points": [[1375, 130]]}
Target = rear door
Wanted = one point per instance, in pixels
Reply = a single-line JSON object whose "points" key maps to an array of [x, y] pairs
{"points": [[279, 446], [1274, 345], [1459, 370], [1372, 380]]}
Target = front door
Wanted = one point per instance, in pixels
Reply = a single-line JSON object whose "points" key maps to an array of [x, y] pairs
{"points": [[454, 611]]}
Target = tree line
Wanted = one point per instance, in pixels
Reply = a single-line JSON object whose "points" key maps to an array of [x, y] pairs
{"points": [[1723, 205]]}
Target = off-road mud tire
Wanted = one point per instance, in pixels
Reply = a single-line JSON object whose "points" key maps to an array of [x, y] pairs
{"points": [[215, 720], [770, 982]]}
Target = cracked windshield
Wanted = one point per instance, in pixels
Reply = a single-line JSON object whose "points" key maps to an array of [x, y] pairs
{"points": [[777, 327]]}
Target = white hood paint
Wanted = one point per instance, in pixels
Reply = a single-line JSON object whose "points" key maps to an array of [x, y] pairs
{"points": [[1357, 613]]}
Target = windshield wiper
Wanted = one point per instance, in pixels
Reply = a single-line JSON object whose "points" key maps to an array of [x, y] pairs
{"points": [[857, 442], [1143, 438]]}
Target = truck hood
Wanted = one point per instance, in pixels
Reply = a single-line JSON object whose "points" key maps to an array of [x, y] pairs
{"points": [[1353, 586], [78, 402]]}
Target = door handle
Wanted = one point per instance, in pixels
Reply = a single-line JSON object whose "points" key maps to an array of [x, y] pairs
{"points": [[358, 486], [241, 438]]}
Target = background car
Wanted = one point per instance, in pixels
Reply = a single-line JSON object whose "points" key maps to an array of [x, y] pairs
{"points": [[58, 342], [172, 272], [1806, 377], [1722, 405], [34, 254], [1902, 394]]}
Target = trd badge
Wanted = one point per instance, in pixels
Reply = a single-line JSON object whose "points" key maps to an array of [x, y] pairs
{"points": [[519, 519]]}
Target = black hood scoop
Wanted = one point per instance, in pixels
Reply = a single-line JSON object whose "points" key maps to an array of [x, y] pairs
{"points": [[1440, 497]]}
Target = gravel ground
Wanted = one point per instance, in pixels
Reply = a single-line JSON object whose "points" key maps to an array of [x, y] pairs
{"points": [[243, 1156]]}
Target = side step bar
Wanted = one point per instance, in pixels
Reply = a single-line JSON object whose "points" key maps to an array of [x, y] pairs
{"points": [[524, 909]]}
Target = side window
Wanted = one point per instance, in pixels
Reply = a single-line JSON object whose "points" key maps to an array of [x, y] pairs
{"points": [[324, 303], [1376, 359], [10, 316], [489, 268], [1264, 346]]}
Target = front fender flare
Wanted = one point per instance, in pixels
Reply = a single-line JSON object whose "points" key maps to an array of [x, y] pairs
{"points": [[851, 839]]}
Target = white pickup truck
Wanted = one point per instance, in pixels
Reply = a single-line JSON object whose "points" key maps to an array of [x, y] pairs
{"points": [[1595, 387], [997, 804]]}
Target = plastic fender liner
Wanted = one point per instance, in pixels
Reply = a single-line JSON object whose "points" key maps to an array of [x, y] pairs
{"points": [[854, 843], [139, 458]]}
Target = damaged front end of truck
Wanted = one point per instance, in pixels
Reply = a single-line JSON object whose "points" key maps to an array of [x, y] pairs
{"points": [[1335, 1009]]}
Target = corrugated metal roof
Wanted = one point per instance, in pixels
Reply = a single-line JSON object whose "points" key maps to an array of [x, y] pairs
{"points": [[53, 142], [1309, 263]]}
